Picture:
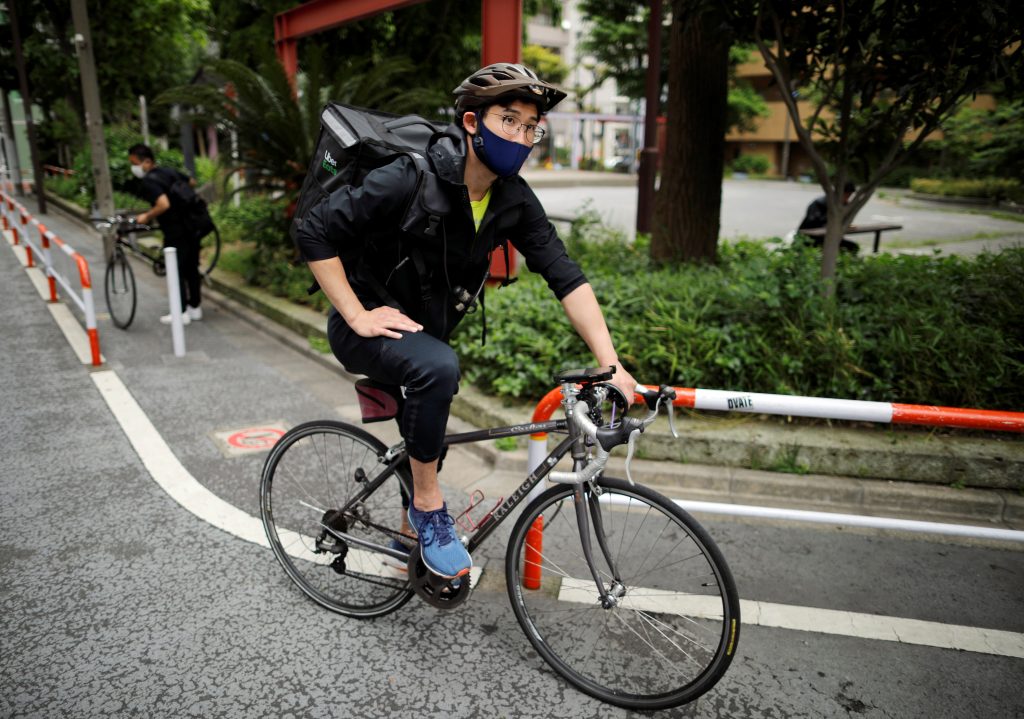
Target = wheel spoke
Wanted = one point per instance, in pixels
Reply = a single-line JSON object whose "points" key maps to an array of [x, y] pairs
{"points": [[311, 472]]}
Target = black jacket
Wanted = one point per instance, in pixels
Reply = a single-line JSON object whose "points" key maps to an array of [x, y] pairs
{"points": [[158, 182], [418, 271]]}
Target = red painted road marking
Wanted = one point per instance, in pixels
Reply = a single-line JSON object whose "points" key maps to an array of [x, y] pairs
{"points": [[255, 438]]}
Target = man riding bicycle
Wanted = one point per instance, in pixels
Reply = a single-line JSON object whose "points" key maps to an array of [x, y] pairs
{"points": [[397, 298]]}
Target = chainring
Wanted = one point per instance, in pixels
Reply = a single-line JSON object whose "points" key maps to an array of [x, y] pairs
{"points": [[434, 590]]}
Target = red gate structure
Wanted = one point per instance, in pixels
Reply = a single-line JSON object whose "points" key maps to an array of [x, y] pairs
{"points": [[501, 26]]}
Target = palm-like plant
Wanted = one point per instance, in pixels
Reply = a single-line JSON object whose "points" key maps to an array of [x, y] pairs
{"points": [[277, 127]]}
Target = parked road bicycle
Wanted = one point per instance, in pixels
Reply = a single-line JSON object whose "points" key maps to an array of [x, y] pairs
{"points": [[130, 238], [632, 601]]}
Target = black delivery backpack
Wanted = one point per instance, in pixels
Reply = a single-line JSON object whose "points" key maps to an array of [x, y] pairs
{"points": [[352, 142]]}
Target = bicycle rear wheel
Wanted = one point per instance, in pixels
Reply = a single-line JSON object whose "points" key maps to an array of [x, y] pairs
{"points": [[673, 629], [209, 253], [309, 493], [119, 289]]}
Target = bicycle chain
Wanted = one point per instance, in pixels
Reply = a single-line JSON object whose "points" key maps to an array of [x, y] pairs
{"points": [[388, 532]]}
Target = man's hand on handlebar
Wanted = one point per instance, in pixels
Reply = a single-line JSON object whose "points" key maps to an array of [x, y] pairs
{"points": [[624, 381]]}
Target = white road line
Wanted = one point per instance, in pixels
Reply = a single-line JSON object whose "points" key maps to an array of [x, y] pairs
{"points": [[73, 332], [165, 468], [174, 479], [888, 629], [38, 278], [810, 619]]}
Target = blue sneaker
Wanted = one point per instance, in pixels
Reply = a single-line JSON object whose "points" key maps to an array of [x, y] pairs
{"points": [[442, 552]]}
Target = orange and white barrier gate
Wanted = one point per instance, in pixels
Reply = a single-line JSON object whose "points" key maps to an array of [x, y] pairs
{"points": [[787, 405], [17, 220]]}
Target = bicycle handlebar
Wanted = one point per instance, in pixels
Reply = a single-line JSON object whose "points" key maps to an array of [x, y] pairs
{"points": [[123, 224], [607, 438]]}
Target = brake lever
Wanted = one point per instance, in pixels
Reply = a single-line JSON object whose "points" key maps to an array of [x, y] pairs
{"points": [[630, 448], [672, 421]]}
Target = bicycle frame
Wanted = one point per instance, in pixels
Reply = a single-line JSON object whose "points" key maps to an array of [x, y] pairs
{"points": [[128, 244], [397, 456]]}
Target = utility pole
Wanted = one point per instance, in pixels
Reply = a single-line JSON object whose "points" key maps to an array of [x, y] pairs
{"points": [[93, 111], [13, 161], [26, 99], [649, 155]]}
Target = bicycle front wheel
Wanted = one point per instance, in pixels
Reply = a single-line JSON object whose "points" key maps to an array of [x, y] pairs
{"points": [[119, 289], [672, 626], [311, 493]]}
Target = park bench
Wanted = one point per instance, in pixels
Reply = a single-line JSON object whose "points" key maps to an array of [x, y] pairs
{"points": [[857, 230]]}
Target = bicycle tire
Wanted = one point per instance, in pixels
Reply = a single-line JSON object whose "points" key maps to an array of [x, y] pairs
{"points": [[671, 635], [209, 252], [317, 467], [119, 290]]}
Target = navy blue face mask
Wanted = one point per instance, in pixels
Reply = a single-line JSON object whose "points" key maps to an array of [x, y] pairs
{"points": [[502, 157]]}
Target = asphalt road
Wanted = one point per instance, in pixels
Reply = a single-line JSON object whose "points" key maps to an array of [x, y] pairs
{"points": [[117, 600], [760, 209]]}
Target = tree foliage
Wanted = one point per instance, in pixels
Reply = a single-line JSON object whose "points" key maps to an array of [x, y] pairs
{"points": [[138, 49], [277, 129], [880, 76], [617, 38], [980, 143]]}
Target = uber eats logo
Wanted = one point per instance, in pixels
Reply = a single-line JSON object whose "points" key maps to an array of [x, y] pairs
{"points": [[329, 163]]}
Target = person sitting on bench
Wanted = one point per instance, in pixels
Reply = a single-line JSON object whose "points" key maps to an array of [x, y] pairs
{"points": [[817, 217]]}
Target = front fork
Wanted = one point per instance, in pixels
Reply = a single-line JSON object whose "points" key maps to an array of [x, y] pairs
{"points": [[585, 500]]}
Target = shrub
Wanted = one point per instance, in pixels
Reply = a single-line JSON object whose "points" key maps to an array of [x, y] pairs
{"points": [[268, 259], [992, 188], [752, 164], [908, 328]]}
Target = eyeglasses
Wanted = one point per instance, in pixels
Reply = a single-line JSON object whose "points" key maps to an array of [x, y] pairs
{"points": [[511, 127]]}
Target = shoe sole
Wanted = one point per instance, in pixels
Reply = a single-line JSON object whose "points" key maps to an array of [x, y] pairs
{"points": [[442, 575]]}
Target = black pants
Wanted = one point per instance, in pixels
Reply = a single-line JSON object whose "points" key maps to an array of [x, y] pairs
{"points": [[189, 279], [426, 367]]}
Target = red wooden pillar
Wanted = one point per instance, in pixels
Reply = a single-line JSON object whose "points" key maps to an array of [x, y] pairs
{"points": [[502, 30]]}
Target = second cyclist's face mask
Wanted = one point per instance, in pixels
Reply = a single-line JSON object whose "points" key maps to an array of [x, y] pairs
{"points": [[501, 155], [138, 171]]}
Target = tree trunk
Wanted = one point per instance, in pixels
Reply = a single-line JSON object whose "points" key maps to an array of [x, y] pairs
{"points": [[830, 247], [688, 203]]}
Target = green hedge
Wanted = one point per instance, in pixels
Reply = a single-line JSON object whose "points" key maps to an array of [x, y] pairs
{"points": [[993, 188], [752, 164], [920, 330]]}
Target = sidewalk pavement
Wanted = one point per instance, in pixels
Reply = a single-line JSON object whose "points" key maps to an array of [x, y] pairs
{"points": [[940, 475]]}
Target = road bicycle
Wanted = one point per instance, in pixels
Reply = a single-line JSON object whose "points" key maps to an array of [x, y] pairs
{"points": [[130, 239], [631, 600], [119, 279]]}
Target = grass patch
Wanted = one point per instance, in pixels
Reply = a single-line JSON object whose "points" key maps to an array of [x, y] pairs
{"points": [[319, 344], [506, 444]]}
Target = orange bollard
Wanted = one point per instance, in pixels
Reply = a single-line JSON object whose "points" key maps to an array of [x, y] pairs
{"points": [[534, 554]]}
